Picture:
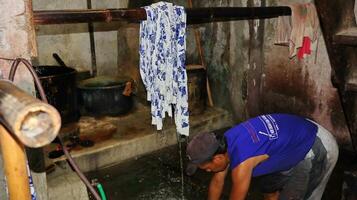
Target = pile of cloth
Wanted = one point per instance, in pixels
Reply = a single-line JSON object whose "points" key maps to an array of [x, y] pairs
{"points": [[299, 31], [162, 63]]}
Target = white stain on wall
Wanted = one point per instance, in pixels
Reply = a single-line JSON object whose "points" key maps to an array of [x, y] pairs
{"points": [[257, 3]]}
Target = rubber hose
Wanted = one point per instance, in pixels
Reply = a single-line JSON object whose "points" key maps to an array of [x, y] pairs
{"points": [[28, 65], [101, 191]]}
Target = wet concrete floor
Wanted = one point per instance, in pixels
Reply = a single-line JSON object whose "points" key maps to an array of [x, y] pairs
{"points": [[158, 176]]}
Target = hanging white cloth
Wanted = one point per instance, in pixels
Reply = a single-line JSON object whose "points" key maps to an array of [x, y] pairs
{"points": [[162, 63]]}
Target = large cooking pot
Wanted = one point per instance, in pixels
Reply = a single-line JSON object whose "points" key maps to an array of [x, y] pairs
{"points": [[104, 95], [59, 83]]}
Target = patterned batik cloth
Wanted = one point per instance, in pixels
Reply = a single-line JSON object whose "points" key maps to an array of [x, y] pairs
{"points": [[162, 63]]}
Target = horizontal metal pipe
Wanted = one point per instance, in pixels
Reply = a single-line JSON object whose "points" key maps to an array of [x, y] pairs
{"points": [[205, 15], [194, 15]]}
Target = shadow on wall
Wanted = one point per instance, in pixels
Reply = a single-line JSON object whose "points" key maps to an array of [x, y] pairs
{"points": [[137, 4]]}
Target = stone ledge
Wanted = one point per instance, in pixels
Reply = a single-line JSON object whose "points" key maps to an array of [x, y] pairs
{"points": [[135, 138], [65, 184]]}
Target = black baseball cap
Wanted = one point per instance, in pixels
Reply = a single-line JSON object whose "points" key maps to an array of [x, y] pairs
{"points": [[200, 149]]}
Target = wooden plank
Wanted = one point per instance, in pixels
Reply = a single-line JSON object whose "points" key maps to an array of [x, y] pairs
{"points": [[346, 37], [334, 15], [351, 80], [330, 14]]}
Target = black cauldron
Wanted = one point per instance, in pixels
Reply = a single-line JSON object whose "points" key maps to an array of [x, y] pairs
{"points": [[59, 83], [104, 95]]}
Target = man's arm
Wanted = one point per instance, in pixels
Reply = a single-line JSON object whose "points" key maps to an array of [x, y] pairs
{"points": [[241, 177], [216, 185]]}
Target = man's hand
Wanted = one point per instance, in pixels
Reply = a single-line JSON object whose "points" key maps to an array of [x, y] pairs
{"points": [[216, 185]]}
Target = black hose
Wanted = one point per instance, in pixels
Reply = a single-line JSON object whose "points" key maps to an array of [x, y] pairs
{"points": [[33, 73], [12, 73]]}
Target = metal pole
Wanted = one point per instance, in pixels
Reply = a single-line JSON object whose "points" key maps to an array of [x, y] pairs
{"points": [[194, 15], [92, 42]]}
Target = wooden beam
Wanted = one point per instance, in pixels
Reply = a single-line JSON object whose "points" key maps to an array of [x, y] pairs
{"points": [[351, 79], [346, 37], [194, 15]]}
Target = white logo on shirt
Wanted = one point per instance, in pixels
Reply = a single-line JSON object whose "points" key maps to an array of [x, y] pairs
{"points": [[270, 126]]}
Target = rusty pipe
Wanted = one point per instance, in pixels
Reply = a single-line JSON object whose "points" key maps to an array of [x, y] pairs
{"points": [[194, 15]]}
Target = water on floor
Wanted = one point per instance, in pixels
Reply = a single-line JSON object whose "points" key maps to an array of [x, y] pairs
{"points": [[155, 176], [158, 176]]}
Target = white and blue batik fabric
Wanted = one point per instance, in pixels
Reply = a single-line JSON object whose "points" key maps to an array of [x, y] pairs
{"points": [[162, 63]]}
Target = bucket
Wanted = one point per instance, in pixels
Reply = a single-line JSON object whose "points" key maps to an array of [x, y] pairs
{"points": [[197, 90]]}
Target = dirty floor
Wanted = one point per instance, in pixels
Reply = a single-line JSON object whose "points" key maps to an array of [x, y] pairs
{"points": [[158, 176]]}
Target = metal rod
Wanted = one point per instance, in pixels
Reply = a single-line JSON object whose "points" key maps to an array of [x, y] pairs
{"points": [[194, 15], [92, 42]]}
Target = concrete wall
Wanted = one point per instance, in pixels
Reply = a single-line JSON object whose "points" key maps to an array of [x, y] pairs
{"points": [[248, 74], [71, 41], [252, 76], [226, 53], [17, 39], [302, 87]]}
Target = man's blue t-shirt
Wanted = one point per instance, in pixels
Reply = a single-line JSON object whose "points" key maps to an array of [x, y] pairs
{"points": [[285, 138]]}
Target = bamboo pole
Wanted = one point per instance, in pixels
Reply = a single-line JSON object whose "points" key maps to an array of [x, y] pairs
{"points": [[14, 166], [32, 121]]}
